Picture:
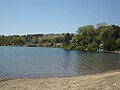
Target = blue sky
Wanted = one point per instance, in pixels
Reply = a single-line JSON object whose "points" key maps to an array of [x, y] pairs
{"points": [[55, 16]]}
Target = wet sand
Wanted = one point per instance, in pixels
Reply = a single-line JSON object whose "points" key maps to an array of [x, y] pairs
{"points": [[103, 81]]}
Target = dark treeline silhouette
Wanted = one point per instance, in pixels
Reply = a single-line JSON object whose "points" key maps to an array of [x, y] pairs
{"points": [[89, 37]]}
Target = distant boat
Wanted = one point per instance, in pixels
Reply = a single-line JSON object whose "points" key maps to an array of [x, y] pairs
{"points": [[101, 50]]}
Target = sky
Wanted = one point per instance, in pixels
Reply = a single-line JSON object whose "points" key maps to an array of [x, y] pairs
{"points": [[55, 16]]}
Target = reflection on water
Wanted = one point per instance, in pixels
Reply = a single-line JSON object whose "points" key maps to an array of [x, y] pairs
{"points": [[49, 62], [90, 62]]}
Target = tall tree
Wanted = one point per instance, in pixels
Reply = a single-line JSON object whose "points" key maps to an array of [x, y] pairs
{"points": [[108, 38], [67, 38]]}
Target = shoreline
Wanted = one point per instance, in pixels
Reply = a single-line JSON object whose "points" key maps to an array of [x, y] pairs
{"points": [[115, 51], [102, 81], [13, 78]]}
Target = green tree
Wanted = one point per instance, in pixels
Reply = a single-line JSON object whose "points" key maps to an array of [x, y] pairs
{"points": [[108, 38], [118, 43], [67, 39], [86, 31]]}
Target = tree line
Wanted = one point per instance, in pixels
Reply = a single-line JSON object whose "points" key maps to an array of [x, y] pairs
{"points": [[36, 40], [89, 37], [101, 36]]}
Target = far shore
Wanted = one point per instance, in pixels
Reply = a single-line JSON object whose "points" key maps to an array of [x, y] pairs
{"points": [[117, 51], [103, 81]]}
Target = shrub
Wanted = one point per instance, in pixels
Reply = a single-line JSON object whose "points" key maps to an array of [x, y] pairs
{"points": [[80, 48], [92, 46]]}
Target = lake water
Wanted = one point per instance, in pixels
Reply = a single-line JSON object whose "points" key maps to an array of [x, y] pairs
{"points": [[18, 62]]}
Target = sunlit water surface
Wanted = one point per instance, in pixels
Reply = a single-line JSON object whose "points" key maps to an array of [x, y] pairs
{"points": [[18, 62]]}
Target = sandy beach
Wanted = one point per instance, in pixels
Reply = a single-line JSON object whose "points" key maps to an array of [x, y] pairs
{"points": [[102, 81]]}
